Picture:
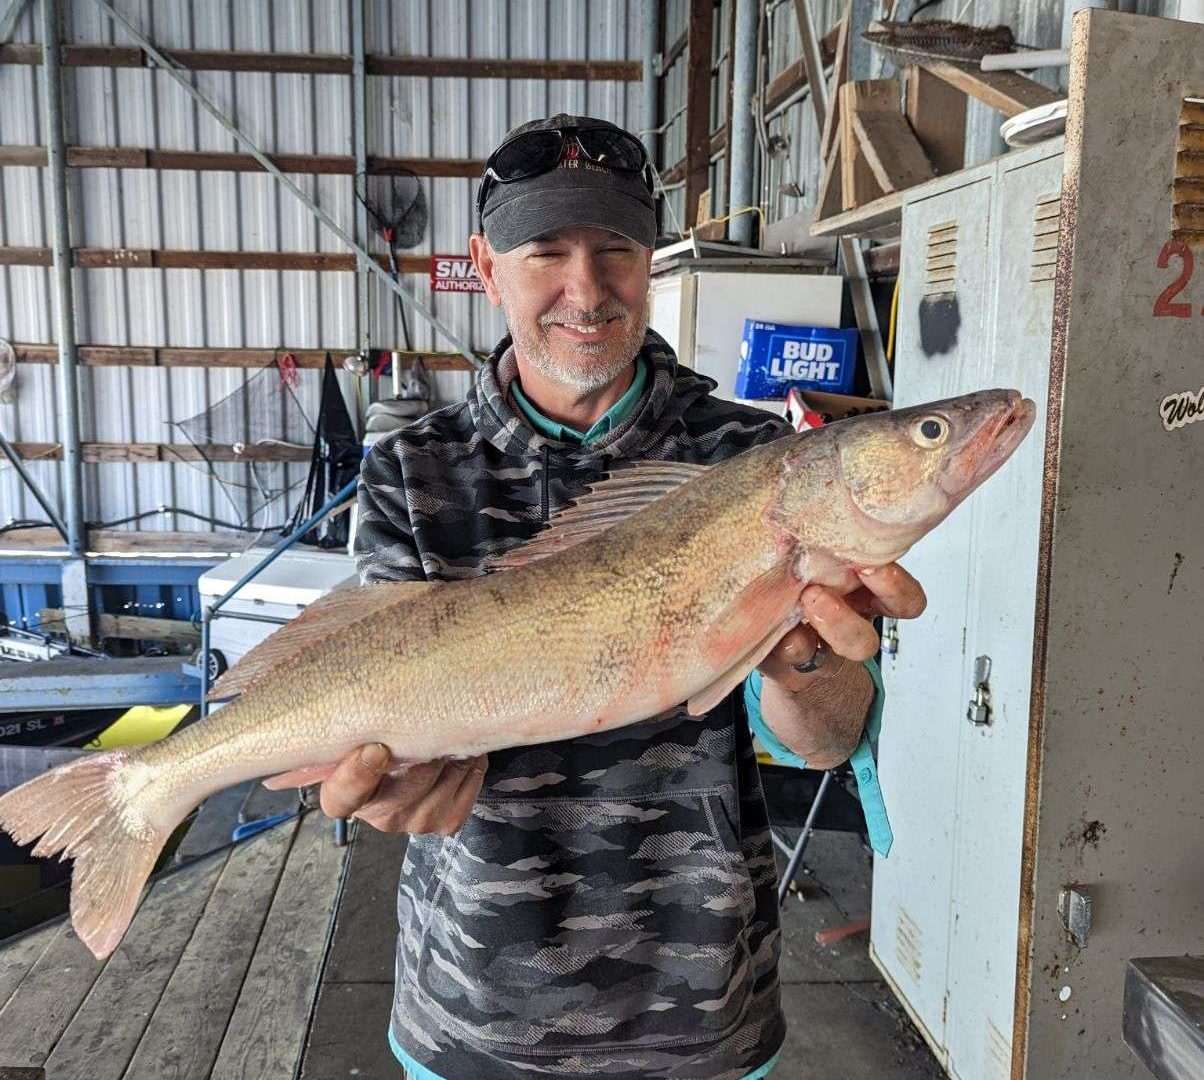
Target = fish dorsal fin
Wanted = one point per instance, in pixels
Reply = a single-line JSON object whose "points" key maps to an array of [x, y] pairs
{"points": [[328, 616], [625, 492]]}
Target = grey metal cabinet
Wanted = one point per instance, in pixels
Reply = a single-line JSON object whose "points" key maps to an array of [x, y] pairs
{"points": [[1057, 829]]}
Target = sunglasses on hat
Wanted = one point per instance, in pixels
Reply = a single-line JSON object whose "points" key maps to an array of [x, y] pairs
{"points": [[534, 153]]}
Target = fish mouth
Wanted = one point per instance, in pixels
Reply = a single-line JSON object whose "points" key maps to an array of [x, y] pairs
{"points": [[992, 445], [1000, 439]]}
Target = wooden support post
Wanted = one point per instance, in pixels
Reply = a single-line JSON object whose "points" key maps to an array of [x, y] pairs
{"points": [[937, 114], [698, 105], [1008, 92], [858, 182], [840, 74]]}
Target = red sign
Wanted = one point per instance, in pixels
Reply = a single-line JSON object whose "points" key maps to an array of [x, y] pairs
{"points": [[454, 273]]}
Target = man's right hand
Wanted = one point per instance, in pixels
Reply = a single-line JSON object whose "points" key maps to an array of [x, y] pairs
{"points": [[431, 797]]}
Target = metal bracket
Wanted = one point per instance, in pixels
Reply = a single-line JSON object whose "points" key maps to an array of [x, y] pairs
{"points": [[979, 710]]}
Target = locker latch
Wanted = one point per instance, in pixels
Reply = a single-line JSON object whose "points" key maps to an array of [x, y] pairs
{"points": [[890, 636], [979, 710]]}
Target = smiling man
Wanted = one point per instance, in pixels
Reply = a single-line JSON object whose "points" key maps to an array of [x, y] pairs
{"points": [[603, 906]]}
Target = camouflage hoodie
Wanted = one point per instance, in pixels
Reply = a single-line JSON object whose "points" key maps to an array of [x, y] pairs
{"points": [[609, 908]]}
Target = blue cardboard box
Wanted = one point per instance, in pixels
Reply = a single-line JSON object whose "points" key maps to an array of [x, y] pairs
{"points": [[775, 356]]}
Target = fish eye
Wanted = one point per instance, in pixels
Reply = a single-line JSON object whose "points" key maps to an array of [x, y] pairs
{"points": [[931, 432]]}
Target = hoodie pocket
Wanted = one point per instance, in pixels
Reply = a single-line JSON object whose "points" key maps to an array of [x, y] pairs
{"points": [[591, 925]]}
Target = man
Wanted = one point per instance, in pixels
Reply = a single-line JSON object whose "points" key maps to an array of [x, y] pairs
{"points": [[603, 906]]}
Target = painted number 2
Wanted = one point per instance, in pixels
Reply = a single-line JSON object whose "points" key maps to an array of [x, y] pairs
{"points": [[1165, 305]]}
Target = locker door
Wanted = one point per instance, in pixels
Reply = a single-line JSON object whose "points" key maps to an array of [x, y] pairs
{"points": [[941, 352], [1005, 519]]}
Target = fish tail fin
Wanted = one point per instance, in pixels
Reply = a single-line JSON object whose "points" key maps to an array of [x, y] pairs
{"points": [[90, 811]]}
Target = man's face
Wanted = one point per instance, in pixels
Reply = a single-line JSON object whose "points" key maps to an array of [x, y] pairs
{"points": [[576, 302]]}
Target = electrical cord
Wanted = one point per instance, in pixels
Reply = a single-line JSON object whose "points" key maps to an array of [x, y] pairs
{"points": [[29, 523]]}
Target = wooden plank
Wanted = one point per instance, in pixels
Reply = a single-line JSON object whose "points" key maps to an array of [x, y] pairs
{"points": [[857, 181], [840, 73], [95, 453], [267, 1031], [673, 53], [365, 932], [698, 105], [185, 1032], [346, 1038], [812, 59], [891, 150], [42, 1006], [105, 1031], [881, 217], [149, 544], [1009, 92], [18, 956], [130, 157], [156, 259], [827, 201], [130, 627], [214, 822], [170, 356], [791, 79], [937, 114], [447, 67]]}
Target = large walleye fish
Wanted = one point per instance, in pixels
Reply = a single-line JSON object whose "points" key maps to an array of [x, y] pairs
{"points": [[665, 584]]}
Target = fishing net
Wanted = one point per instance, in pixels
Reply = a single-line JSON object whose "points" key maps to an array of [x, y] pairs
{"points": [[261, 421]]}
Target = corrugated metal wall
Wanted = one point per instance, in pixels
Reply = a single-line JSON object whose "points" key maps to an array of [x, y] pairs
{"points": [[285, 113], [1034, 22]]}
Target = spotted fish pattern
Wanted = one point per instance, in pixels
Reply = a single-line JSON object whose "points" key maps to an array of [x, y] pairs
{"points": [[609, 907]]}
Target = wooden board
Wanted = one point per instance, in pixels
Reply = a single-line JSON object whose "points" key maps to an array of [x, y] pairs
{"points": [[446, 67], [128, 627], [858, 183], [185, 1033], [46, 1000], [348, 1033], [936, 111], [891, 150], [149, 544], [698, 104], [104, 1033], [136, 157], [880, 218], [168, 356], [1007, 91], [828, 139], [97, 453], [18, 956], [266, 1033]]}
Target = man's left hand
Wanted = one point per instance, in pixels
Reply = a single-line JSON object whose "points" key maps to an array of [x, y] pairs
{"points": [[844, 623]]}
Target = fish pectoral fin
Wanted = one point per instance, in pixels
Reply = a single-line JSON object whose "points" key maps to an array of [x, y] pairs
{"points": [[302, 777], [707, 699], [627, 491], [329, 615]]}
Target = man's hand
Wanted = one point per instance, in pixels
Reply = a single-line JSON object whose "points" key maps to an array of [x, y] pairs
{"points": [[844, 622], [431, 797]]}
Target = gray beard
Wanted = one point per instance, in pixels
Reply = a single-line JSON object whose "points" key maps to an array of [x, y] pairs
{"points": [[598, 366]]}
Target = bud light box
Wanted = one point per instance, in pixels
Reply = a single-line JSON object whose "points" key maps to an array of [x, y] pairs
{"points": [[774, 357]]}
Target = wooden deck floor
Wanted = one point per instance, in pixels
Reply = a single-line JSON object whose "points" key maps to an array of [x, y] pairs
{"points": [[274, 959], [217, 976]]}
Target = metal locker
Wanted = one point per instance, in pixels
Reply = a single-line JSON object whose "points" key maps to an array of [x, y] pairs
{"points": [[1002, 583], [1043, 778], [941, 353]]}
